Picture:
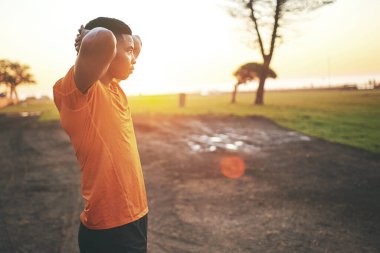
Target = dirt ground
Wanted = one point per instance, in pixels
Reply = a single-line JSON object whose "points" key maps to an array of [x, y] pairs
{"points": [[298, 194]]}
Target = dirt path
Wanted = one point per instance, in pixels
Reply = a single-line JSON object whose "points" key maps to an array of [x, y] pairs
{"points": [[40, 188], [298, 194]]}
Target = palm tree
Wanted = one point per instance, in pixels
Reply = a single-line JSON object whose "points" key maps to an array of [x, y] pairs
{"points": [[12, 74], [247, 73]]}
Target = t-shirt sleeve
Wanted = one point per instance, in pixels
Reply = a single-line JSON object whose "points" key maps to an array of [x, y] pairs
{"points": [[67, 94]]}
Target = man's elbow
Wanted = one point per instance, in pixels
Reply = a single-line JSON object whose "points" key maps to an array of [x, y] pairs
{"points": [[99, 40]]}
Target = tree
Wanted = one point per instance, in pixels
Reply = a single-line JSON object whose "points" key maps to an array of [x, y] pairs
{"points": [[12, 74], [248, 72], [265, 19]]}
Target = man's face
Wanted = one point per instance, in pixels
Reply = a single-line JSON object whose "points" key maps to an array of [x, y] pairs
{"points": [[122, 65]]}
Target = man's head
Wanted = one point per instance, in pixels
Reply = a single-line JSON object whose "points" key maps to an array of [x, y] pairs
{"points": [[116, 26], [122, 64]]}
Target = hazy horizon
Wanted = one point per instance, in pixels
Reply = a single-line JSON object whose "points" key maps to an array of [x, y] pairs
{"points": [[195, 45], [131, 89]]}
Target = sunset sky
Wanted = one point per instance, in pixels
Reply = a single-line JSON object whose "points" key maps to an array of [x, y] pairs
{"points": [[194, 45]]}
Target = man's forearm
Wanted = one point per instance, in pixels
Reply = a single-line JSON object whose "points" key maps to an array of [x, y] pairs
{"points": [[97, 50]]}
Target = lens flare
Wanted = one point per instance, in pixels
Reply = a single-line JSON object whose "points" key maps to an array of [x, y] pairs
{"points": [[232, 167]]}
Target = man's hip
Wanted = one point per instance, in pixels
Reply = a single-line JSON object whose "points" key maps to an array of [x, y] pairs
{"points": [[131, 237]]}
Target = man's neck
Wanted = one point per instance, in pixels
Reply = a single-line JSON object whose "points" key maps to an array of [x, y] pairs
{"points": [[106, 79]]}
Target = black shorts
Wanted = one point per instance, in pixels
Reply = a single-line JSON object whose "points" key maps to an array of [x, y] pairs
{"points": [[129, 238]]}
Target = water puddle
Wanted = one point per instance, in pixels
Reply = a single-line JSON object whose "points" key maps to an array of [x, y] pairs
{"points": [[211, 143], [21, 114], [232, 141], [29, 114]]}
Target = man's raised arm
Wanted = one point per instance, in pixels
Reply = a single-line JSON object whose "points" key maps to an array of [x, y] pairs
{"points": [[96, 52]]}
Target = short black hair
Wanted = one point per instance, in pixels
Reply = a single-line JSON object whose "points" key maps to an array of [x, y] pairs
{"points": [[116, 26]]}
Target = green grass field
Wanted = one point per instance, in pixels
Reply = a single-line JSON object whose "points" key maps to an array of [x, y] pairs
{"points": [[347, 117]]}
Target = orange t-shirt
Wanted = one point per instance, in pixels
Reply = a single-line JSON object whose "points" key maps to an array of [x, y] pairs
{"points": [[100, 128]]}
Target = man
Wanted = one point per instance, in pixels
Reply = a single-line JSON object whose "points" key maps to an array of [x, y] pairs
{"points": [[94, 112]]}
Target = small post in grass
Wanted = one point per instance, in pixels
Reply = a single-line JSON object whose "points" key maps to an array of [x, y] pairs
{"points": [[182, 100]]}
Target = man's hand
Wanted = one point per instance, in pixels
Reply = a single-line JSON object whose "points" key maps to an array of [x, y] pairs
{"points": [[137, 45], [78, 40]]}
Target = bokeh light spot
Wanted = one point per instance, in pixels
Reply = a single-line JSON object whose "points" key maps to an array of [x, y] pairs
{"points": [[232, 167]]}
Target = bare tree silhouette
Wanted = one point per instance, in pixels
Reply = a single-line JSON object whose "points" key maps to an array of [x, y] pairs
{"points": [[248, 72], [265, 19], [13, 74]]}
